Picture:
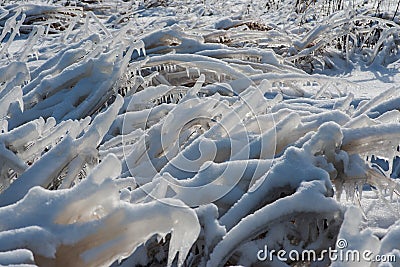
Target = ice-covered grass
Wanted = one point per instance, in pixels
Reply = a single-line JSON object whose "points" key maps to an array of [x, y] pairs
{"points": [[195, 133]]}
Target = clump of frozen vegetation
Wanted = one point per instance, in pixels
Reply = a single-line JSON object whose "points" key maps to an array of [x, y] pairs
{"points": [[181, 133]]}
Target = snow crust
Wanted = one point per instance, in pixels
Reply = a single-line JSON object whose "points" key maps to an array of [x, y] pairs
{"points": [[196, 133]]}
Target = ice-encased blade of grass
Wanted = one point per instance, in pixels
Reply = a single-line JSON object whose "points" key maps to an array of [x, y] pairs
{"points": [[17, 257], [314, 192], [281, 180], [50, 165], [89, 225]]}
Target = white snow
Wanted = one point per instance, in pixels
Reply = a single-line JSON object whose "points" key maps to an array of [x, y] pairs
{"points": [[197, 133]]}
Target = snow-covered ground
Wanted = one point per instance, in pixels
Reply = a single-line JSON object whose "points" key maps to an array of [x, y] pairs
{"points": [[199, 133], [371, 80]]}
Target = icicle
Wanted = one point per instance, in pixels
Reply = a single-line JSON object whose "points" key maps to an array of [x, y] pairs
{"points": [[223, 77], [360, 188], [86, 26], [47, 30], [137, 51], [218, 76]]}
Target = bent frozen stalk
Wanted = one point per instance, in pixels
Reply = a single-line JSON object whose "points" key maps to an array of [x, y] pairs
{"points": [[187, 133]]}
